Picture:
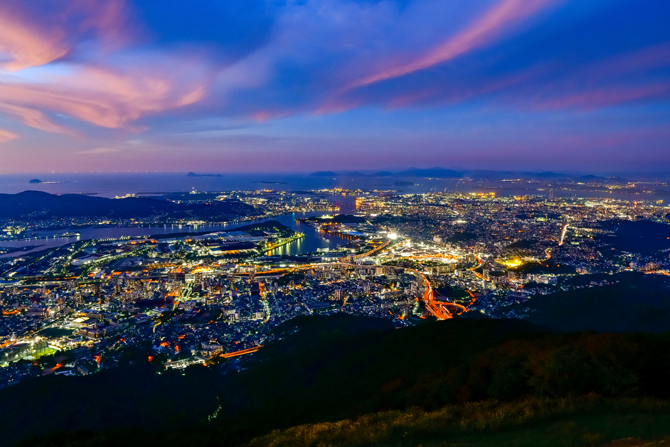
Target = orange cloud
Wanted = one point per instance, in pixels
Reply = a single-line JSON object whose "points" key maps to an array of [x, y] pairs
{"points": [[484, 30]]}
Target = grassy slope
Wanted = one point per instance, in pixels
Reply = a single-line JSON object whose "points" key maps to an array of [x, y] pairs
{"points": [[532, 422]]}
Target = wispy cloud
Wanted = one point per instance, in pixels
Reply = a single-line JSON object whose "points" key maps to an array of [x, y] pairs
{"points": [[100, 96], [99, 150], [107, 83], [37, 32], [94, 70], [481, 32], [6, 136]]}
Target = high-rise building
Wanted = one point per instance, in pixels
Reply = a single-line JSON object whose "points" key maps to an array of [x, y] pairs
{"points": [[551, 194]]}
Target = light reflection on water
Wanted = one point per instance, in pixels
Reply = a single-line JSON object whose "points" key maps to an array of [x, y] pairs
{"points": [[49, 239]]}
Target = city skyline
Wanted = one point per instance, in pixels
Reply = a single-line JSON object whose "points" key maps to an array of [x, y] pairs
{"points": [[334, 85]]}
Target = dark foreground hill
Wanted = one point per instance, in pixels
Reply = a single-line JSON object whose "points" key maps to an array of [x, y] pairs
{"points": [[587, 421], [641, 236], [635, 302], [38, 204], [342, 368]]}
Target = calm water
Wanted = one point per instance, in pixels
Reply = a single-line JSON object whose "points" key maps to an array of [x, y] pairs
{"points": [[120, 184], [310, 243], [110, 185]]}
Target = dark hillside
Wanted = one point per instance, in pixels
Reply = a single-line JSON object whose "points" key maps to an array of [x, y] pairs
{"points": [[638, 303], [642, 236], [38, 204], [336, 368]]}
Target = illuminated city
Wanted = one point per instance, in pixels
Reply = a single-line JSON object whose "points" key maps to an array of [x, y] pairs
{"points": [[195, 296]]}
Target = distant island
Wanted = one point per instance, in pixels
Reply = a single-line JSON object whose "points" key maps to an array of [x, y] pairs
{"points": [[38, 181], [193, 174], [412, 172], [342, 174], [403, 183]]}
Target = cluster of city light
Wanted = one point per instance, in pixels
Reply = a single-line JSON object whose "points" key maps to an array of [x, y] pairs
{"points": [[512, 263]]}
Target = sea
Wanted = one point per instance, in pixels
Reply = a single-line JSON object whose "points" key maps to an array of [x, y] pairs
{"points": [[120, 184], [148, 184]]}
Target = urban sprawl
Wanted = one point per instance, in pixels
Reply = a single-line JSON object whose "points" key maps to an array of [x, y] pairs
{"points": [[214, 298]]}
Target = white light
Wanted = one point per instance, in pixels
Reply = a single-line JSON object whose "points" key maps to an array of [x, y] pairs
{"points": [[392, 236]]}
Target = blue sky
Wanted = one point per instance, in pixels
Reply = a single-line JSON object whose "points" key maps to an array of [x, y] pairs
{"points": [[274, 85]]}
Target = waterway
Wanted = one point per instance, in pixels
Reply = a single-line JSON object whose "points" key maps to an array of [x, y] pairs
{"points": [[312, 241]]}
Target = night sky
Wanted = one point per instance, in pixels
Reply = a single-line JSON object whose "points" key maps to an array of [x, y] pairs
{"points": [[301, 85]]}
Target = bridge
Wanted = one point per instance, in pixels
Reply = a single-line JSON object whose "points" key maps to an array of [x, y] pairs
{"points": [[282, 242]]}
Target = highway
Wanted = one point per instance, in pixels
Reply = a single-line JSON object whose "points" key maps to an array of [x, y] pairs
{"points": [[241, 352], [565, 229], [439, 309]]}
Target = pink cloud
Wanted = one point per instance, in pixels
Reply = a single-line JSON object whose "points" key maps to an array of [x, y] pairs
{"points": [[597, 85], [456, 95], [261, 116], [141, 83], [605, 97], [431, 94], [599, 81], [99, 96], [636, 62], [34, 118], [483, 31], [23, 47], [6, 136], [655, 56], [25, 42], [338, 105]]}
